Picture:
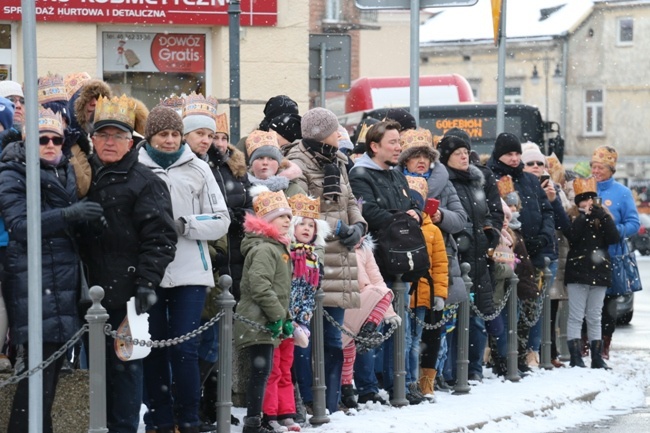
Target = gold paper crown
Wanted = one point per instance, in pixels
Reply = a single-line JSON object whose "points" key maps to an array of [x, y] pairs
{"points": [[416, 138], [606, 155], [304, 206], [197, 104], [268, 201], [174, 101], [116, 111], [362, 134], [259, 138], [505, 185], [73, 82], [582, 186], [49, 121], [553, 162], [51, 88], [419, 185], [222, 124]]}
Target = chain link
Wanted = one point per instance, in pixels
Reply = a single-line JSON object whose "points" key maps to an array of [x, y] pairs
{"points": [[46, 363], [366, 341], [499, 307], [446, 317], [108, 330], [537, 312], [252, 323]]}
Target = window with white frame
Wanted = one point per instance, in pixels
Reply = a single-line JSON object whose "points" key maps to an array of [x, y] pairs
{"points": [[594, 112], [513, 95], [625, 34]]}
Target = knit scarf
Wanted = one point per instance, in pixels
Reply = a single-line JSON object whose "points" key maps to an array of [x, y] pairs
{"points": [[305, 263], [164, 159], [461, 174], [325, 155], [425, 175]]}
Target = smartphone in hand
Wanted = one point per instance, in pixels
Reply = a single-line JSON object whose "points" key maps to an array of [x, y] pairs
{"points": [[543, 178], [431, 206]]}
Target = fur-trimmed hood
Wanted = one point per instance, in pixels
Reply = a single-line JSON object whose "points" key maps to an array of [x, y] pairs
{"points": [[233, 158], [141, 115], [91, 89], [254, 225], [323, 230], [409, 153]]}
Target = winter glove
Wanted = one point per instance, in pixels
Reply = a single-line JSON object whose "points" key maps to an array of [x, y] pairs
{"points": [[438, 303], [393, 320], [598, 212], [355, 232], [145, 297], [287, 328], [82, 211], [275, 328], [493, 237], [535, 245], [179, 225], [342, 229]]}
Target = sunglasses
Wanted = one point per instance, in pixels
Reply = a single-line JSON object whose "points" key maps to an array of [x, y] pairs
{"points": [[44, 141], [17, 99], [537, 163]]}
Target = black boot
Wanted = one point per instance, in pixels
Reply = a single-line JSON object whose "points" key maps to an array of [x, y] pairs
{"points": [[575, 350], [208, 403], [347, 397], [253, 424], [596, 355], [301, 410]]}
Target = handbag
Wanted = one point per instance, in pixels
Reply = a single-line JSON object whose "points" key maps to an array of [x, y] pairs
{"points": [[625, 272], [84, 301]]}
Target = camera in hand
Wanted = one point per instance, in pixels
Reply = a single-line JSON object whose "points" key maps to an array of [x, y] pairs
{"points": [[598, 201]]}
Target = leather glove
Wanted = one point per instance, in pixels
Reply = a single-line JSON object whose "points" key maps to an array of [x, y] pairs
{"points": [[598, 212], [355, 232], [179, 225], [82, 211], [287, 328], [393, 320], [493, 237], [438, 303], [275, 328], [145, 297], [535, 245]]}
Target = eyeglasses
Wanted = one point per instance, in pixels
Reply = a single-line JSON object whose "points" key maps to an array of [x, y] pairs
{"points": [[103, 136], [44, 141], [537, 163], [17, 99]]}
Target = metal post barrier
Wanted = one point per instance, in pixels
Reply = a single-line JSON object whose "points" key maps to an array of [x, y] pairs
{"points": [[545, 361], [562, 319], [96, 316], [318, 363], [462, 329], [225, 303], [399, 351], [513, 370]]}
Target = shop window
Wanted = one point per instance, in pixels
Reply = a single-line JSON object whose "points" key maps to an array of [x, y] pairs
{"points": [[594, 112], [625, 31], [513, 95], [152, 66], [5, 52]]}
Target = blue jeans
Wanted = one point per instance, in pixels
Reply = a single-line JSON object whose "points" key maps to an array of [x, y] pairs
{"points": [[333, 358], [477, 342], [123, 385], [177, 312], [365, 379], [451, 341], [209, 343], [535, 333], [389, 349], [303, 371], [413, 350]]}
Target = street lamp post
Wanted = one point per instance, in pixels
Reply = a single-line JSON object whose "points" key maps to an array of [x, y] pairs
{"points": [[535, 80]]}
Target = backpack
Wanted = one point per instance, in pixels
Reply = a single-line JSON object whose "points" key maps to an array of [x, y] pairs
{"points": [[401, 248]]}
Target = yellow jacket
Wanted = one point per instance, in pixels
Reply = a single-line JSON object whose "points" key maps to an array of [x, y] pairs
{"points": [[439, 266]]}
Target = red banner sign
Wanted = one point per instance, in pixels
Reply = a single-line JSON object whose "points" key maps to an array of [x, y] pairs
{"points": [[181, 12]]}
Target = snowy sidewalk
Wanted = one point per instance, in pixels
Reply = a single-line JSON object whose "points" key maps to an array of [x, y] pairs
{"points": [[545, 401]]}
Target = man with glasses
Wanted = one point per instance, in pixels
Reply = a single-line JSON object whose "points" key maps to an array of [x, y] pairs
{"points": [[14, 92], [129, 256]]}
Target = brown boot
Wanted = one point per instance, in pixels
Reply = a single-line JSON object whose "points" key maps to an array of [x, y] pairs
{"points": [[427, 380], [607, 341]]}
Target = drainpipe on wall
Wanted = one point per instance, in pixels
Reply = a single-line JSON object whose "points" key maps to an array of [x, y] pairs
{"points": [[563, 93]]}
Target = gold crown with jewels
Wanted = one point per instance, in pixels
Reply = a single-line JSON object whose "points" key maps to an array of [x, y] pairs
{"points": [[49, 121], [259, 138], [416, 138], [362, 134], [197, 104], [583, 186], [51, 88], [73, 82], [419, 185], [505, 185], [222, 123], [268, 201], [304, 206], [115, 110], [174, 101]]}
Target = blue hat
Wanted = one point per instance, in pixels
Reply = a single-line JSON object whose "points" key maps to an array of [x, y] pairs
{"points": [[6, 113]]}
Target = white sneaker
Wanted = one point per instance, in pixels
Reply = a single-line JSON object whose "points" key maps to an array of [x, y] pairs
{"points": [[290, 424], [276, 426]]}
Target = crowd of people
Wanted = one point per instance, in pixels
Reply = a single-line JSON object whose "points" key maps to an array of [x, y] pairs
{"points": [[155, 205]]}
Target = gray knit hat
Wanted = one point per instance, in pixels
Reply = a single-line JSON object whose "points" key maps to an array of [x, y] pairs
{"points": [[318, 124]]}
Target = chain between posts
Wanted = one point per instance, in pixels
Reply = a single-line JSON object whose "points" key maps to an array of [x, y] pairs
{"points": [[500, 307], [108, 330], [539, 303], [46, 363], [446, 317], [366, 341]]}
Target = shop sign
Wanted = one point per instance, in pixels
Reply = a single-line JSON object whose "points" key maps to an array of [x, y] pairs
{"points": [[180, 12], [153, 52]]}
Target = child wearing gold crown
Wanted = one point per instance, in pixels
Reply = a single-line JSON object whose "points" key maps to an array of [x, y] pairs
{"points": [[307, 232], [265, 294], [588, 270]]}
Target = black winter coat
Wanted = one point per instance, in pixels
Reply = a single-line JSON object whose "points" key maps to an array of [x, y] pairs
{"points": [[478, 199], [60, 261], [140, 240], [590, 236], [230, 173]]}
